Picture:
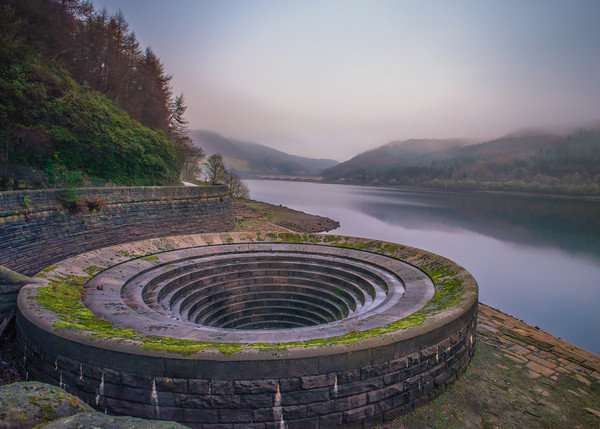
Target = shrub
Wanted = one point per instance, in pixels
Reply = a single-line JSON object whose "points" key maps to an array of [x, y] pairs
{"points": [[95, 204], [69, 199]]}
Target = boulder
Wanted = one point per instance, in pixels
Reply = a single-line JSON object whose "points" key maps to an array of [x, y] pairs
{"points": [[28, 404], [104, 421]]}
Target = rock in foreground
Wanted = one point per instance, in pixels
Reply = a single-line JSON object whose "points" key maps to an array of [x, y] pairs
{"points": [[28, 404], [104, 421]]}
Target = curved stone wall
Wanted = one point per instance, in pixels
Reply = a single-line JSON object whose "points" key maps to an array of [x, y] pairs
{"points": [[36, 230], [40, 232], [192, 329]]}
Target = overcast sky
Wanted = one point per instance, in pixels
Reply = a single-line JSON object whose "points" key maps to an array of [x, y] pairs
{"points": [[335, 78]]}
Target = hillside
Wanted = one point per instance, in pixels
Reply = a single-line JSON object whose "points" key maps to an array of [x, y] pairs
{"points": [[49, 122], [83, 102], [561, 164], [253, 159], [394, 154]]}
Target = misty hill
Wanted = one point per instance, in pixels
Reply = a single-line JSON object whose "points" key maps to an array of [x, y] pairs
{"points": [[395, 153], [253, 159], [562, 164]]}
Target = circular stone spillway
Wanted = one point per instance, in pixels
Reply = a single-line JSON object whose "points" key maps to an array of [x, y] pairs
{"points": [[267, 330]]}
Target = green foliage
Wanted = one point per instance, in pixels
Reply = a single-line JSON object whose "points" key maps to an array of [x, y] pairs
{"points": [[26, 203], [69, 199], [50, 122]]}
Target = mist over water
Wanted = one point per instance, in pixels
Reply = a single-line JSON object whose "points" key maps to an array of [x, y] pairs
{"points": [[335, 78], [536, 258]]}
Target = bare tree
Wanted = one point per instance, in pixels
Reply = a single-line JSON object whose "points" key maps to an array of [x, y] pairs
{"points": [[192, 160], [215, 169], [236, 186]]}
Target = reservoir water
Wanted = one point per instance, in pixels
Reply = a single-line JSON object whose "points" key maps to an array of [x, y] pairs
{"points": [[536, 258]]}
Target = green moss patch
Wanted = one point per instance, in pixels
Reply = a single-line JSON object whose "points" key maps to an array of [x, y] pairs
{"points": [[92, 270], [64, 297]]}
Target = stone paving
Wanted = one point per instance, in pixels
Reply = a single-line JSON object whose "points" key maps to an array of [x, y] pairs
{"points": [[542, 353], [543, 356]]}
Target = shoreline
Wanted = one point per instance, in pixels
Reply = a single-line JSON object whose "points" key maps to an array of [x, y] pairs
{"points": [[520, 376], [594, 198]]}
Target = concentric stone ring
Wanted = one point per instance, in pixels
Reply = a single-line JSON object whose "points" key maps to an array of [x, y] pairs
{"points": [[259, 292], [240, 328]]}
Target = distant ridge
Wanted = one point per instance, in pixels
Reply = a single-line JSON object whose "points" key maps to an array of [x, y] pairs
{"points": [[523, 161], [396, 153], [255, 160]]}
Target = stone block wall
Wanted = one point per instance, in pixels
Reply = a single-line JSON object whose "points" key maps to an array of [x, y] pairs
{"points": [[355, 389], [44, 233]]}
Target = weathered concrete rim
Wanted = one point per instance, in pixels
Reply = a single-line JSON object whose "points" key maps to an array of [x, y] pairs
{"points": [[102, 301], [145, 250]]}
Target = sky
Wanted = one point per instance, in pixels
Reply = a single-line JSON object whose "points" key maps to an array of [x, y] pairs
{"points": [[331, 79]]}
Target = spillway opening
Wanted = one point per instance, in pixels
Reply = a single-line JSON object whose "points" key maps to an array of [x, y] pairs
{"points": [[260, 290], [182, 328]]}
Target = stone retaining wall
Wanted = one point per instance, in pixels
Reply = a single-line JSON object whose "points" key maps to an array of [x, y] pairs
{"points": [[49, 233], [45, 232], [122, 355]]}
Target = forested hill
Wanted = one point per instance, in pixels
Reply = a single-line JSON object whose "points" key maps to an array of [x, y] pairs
{"points": [[562, 164], [82, 101], [253, 159], [395, 153]]}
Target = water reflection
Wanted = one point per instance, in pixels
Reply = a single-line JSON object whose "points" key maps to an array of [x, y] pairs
{"points": [[571, 225], [536, 258]]}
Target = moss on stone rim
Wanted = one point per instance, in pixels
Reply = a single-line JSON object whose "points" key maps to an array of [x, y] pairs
{"points": [[64, 297]]}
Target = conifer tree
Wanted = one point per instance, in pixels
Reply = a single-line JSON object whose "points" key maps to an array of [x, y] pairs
{"points": [[189, 157], [102, 53]]}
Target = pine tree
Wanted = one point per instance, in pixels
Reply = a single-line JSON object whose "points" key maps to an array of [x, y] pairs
{"points": [[189, 157], [102, 53]]}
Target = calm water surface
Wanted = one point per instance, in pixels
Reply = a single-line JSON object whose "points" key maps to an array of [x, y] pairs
{"points": [[536, 258]]}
